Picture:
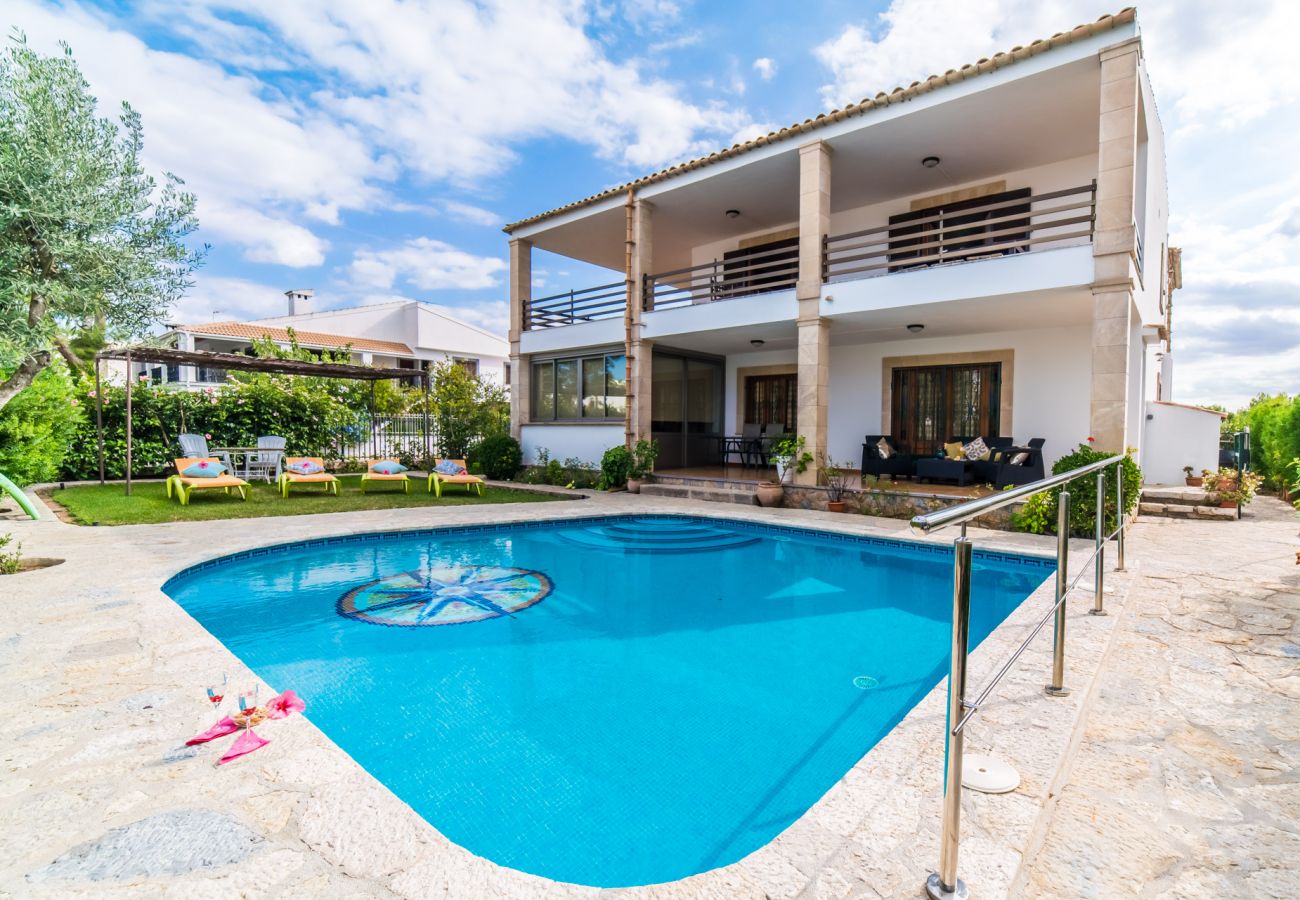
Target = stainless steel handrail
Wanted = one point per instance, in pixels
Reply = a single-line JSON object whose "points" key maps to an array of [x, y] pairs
{"points": [[944, 884]]}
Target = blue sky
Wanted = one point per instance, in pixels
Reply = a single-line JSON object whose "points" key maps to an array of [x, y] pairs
{"points": [[373, 150]]}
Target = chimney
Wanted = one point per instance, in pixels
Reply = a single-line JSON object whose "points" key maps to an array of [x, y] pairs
{"points": [[299, 301]]}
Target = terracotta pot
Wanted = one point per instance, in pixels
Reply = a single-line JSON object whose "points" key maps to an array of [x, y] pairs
{"points": [[835, 505], [1193, 481], [769, 493], [634, 485], [1227, 504]]}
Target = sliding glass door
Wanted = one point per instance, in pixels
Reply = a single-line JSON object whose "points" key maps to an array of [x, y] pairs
{"points": [[934, 403], [686, 409]]}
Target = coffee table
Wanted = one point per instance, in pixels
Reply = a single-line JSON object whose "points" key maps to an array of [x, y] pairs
{"points": [[956, 470]]}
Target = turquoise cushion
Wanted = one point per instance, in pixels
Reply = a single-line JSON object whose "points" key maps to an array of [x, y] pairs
{"points": [[306, 467], [204, 469], [449, 467], [388, 468]]}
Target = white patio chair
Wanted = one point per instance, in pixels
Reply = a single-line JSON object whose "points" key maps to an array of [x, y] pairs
{"points": [[267, 461]]}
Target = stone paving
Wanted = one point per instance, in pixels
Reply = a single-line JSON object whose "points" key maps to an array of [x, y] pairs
{"points": [[1187, 782], [104, 674]]}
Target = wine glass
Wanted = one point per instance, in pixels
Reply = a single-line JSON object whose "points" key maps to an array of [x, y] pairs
{"points": [[248, 697], [217, 692]]}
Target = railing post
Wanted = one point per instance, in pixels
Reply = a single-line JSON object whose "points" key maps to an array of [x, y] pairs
{"points": [[571, 306], [944, 884], [1119, 517], [1099, 563], [1057, 688]]}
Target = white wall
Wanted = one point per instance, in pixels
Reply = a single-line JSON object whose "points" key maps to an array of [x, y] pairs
{"points": [[1051, 386], [1154, 186], [1178, 436], [585, 442]]}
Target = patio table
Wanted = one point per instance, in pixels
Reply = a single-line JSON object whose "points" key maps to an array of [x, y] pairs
{"points": [[957, 470], [746, 448], [244, 454]]}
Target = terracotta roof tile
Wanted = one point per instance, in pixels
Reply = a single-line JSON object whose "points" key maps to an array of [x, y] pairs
{"points": [[897, 95], [305, 338]]}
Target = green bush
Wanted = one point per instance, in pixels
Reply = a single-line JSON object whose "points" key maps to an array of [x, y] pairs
{"points": [[37, 426], [499, 455], [1274, 436], [614, 467], [1039, 514]]}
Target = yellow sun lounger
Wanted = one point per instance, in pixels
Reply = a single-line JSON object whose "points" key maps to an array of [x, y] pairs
{"points": [[372, 475], [288, 476], [471, 482], [185, 485]]}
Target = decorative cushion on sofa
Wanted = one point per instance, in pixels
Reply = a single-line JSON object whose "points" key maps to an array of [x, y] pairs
{"points": [[388, 467], [953, 450], [204, 468], [883, 448], [305, 467], [449, 467], [1020, 459], [976, 449]]}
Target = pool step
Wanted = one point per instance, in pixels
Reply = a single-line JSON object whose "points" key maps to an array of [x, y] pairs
{"points": [[1187, 511], [657, 536], [742, 496]]}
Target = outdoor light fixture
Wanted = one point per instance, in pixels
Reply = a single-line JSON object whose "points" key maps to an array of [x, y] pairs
{"points": [[757, 342], [930, 162], [733, 213], [915, 328]]}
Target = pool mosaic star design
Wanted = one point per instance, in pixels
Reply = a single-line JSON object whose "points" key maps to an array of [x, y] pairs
{"points": [[448, 595]]}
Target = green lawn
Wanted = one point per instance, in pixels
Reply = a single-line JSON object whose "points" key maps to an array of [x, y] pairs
{"points": [[148, 503]]}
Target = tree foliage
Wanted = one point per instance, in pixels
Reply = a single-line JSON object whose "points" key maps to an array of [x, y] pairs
{"points": [[466, 408], [36, 428], [87, 237]]}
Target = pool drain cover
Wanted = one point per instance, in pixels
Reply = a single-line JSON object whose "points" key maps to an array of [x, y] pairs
{"points": [[988, 775], [865, 682]]}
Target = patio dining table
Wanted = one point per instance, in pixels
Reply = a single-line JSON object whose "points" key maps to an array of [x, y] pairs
{"points": [[246, 454], [748, 449]]}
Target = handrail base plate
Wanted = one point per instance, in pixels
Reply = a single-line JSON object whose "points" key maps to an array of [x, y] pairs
{"points": [[934, 889]]}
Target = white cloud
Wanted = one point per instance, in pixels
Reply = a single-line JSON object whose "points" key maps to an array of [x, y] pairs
{"points": [[474, 215], [214, 298], [424, 263], [765, 67]]}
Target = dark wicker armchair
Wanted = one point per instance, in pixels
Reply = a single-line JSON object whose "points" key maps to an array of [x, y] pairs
{"points": [[899, 464]]}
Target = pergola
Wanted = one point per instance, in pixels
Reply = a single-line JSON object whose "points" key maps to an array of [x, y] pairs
{"points": [[241, 363]]}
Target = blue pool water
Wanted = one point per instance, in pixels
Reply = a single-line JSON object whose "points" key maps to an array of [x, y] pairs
{"points": [[611, 702]]}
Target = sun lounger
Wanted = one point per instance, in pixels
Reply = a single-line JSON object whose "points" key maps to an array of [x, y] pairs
{"points": [[288, 476], [185, 485], [438, 479], [372, 475]]}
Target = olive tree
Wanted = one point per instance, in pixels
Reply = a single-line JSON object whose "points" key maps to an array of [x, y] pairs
{"points": [[88, 240]]}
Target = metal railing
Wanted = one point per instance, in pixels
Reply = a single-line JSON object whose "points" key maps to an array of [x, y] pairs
{"points": [[998, 229], [944, 882], [604, 301], [727, 279]]}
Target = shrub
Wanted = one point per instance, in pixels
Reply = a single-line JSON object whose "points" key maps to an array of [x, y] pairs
{"points": [[499, 455], [1039, 513], [615, 467], [1036, 516], [37, 426], [1274, 435], [10, 560], [644, 454]]}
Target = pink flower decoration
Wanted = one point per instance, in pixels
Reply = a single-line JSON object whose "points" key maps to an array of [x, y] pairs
{"points": [[90, 393], [209, 437], [284, 705]]}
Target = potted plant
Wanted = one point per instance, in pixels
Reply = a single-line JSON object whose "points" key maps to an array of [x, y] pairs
{"points": [[1192, 480], [837, 480], [1230, 490], [788, 455], [644, 454]]}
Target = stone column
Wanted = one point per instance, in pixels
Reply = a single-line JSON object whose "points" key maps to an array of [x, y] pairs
{"points": [[1114, 244], [640, 356], [521, 293], [814, 331]]}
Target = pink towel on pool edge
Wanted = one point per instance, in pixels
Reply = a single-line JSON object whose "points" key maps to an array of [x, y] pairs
{"points": [[224, 726], [249, 741]]}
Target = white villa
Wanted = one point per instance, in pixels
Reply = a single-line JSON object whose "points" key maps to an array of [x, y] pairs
{"points": [[403, 334], [980, 253]]}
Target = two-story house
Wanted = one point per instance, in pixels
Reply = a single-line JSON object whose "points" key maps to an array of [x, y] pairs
{"points": [[983, 252], [402, 334]]}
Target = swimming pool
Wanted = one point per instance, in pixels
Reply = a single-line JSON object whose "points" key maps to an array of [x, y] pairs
{"points": [[609, 701]]}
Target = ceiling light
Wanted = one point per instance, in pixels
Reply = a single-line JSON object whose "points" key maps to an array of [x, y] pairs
{"points": [[733, 213], [757, 342], [915, 328], [930, 162]]}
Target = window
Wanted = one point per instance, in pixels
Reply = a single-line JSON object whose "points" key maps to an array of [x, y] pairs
{"points": [[587, 387], [766, 267], [469, 365], [932, 404], [772, 399], [956, 231]]}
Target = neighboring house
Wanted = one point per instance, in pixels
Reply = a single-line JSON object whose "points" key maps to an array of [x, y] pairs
{"points": [[404, 334], [983, 252]]}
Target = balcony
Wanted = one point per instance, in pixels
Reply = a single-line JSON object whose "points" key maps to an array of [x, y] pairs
{"points": [[963, 232]]}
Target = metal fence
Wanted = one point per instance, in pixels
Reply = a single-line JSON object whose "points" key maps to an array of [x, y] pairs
{"points": [[944, 883], [377, 437]]}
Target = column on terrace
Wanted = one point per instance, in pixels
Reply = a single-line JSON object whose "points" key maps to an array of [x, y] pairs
{"points": [[1113, 243], [521, 293], [814, 330], [640, 355]]}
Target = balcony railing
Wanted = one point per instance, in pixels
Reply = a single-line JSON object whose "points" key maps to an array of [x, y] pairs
{"points": [[1053, 219], [604, 301], [757, 273]]}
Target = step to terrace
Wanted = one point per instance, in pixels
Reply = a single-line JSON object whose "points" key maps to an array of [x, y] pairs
{"points": [[706, 491], [1187, 511]]}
